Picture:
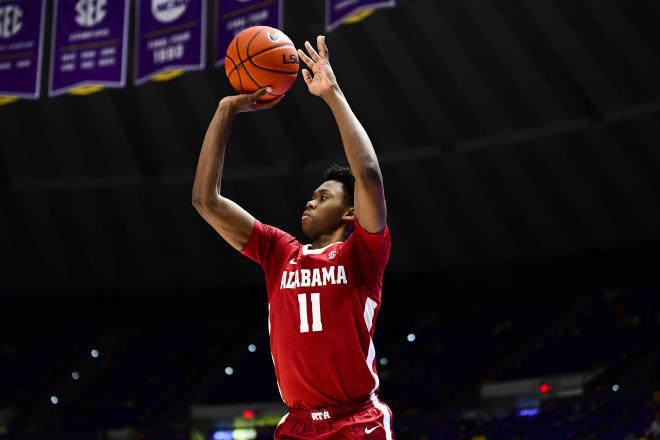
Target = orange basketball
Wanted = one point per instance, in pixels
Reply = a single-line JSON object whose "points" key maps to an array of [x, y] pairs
{"points": [[262, 56]]}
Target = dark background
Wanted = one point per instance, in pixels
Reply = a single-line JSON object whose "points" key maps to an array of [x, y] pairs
{"points": [[518, 141], [505, 132]]}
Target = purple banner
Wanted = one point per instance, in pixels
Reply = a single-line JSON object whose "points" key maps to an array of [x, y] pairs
{"points": [[21, 46], [336, 11], [89, 44], [169, 35], [233, 16]]}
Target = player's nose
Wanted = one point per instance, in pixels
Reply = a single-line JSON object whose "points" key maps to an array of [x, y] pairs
{"points": [[309, 204]]}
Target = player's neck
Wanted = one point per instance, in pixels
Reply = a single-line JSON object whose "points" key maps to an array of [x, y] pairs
{"points": [[326, 239]]}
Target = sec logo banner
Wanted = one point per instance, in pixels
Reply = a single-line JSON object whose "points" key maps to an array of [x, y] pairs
{"points": [[167, 11], [10, 21], [90, 12]]}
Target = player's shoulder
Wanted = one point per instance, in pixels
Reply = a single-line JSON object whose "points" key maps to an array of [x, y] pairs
{"points": [[277, 242], [288, 241], [274, 232], [366, 245], [359, 234], [357, 227]]}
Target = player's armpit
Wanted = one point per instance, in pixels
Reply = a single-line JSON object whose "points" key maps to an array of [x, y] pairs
{"points": [[232, 222]]}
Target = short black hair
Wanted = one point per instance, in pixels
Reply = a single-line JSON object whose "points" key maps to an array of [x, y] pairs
{"points": [[343, 175]]}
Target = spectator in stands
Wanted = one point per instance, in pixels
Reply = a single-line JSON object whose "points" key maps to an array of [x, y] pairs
{"points": [[654, 429], [577, 414]]}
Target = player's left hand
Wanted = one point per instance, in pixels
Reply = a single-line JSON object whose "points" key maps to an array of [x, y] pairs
{"points": [[321, 81]]}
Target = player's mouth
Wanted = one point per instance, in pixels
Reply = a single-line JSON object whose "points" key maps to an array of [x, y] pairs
{"points": [[305, 216]]}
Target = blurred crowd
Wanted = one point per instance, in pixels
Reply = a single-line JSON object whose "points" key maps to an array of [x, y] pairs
{"points": [[430, 361]]}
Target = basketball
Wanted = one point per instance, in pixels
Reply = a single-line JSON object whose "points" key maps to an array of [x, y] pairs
{"points": [[262, 56]]}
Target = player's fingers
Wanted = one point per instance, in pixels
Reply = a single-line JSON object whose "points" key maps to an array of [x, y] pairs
{"points": [[312, 52], [307, 76], [307, 60], [323, 49], [259, 93], [262, 105]]}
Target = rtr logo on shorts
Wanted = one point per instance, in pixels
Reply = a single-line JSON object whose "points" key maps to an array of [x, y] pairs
{"points": [[332, 254], [321, 415]]}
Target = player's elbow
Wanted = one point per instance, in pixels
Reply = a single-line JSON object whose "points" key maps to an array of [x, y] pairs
{"points": [[212, 205], [197, 203], [202, 203], [199, 206], [197, 199]]}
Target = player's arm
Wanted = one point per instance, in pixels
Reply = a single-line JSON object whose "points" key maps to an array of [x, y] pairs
{"points": [[231, 221], [369, 196]]}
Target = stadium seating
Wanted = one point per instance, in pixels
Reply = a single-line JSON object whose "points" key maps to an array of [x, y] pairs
{"points": [[150, 372]]}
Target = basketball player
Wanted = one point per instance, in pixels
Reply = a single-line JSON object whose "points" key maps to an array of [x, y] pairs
{"points": [[323, 297]]}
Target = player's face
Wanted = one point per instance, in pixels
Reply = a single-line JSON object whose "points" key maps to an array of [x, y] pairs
{"points": [[326, 211]]}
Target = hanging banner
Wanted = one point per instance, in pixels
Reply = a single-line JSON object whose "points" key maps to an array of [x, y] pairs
{"points": [[170, 35], [233, 16], [89, 45], [338, 11], [21, 47]]}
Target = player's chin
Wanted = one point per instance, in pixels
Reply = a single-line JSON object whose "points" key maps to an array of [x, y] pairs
{"points": [[310, 230]]}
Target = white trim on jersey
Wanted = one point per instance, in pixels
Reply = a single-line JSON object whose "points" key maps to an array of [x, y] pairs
{"points": [[283, 419], [271, 356], [307, 251], [369, 310], [277, 382], [386, 416]]}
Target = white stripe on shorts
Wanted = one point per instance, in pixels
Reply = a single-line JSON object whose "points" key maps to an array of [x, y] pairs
{"points": [[386, 416]]}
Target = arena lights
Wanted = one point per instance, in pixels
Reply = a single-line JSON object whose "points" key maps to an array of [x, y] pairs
{"points": [[236, 434], [75, 375], [229, 371], [54, 400], [615, 388], [384, 361], [411, 337], [248, 414], [245, 434], [223, 435], [544, 388], [528, 412], [95, 353], [252, 348]]}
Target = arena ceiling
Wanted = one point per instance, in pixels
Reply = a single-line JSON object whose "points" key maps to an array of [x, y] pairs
{"points": [[506, 131]]}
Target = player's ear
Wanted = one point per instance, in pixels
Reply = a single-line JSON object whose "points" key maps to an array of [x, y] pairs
{"points": [[349, 214]]}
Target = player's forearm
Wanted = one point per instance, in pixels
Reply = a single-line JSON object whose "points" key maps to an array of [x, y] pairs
{"points": [[357, 145], [212, 156]]}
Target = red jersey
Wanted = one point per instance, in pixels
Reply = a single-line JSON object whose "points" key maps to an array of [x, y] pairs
{"points": [[323, 305]]}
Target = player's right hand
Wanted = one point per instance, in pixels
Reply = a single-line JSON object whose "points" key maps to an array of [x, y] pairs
{"points": [[247, 102]]}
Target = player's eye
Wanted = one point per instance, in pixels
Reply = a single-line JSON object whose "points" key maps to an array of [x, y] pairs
{"points": [[324, 197]]}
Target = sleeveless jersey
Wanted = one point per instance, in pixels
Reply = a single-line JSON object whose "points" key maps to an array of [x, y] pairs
{"points": [[322, 305]]}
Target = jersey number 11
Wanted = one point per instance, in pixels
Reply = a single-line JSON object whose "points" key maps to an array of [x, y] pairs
{"points": [[316, 312]]}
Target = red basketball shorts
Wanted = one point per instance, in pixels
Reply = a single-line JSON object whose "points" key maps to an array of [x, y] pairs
{"points": [[365, 419]]}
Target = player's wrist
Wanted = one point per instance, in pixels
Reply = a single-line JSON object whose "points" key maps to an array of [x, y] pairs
{"points": [[227, 106], [333, 94]]}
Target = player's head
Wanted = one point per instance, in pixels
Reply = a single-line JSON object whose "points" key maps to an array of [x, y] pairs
{"points": [[331, 204]]}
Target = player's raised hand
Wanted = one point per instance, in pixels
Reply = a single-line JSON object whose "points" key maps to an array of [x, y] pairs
{"points": [[248, 102], [321, 81]]}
